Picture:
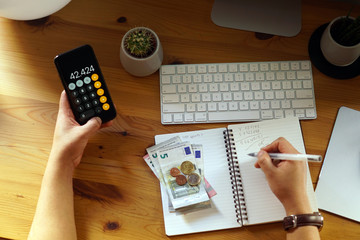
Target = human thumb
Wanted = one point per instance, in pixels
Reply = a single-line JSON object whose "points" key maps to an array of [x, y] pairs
{"points": [[92, 125]]}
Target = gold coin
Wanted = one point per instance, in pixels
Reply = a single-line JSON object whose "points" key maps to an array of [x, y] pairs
{"points": [[194, 179], [187, 167]]}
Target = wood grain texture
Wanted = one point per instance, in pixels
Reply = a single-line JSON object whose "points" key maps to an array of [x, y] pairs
{"points": [[116, 194]]}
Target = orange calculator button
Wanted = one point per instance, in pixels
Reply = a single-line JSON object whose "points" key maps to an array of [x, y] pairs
{"points": [[100, 92], [106, 106], [94, 77], [97, 84], [103, 99]]}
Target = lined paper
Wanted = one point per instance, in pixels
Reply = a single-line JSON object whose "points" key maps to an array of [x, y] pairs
{"points": [[262, 205], [222, 214]]}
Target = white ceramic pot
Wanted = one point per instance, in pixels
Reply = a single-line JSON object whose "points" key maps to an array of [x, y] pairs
{"points": [[141, 67], [335, 53], [30, 9]]}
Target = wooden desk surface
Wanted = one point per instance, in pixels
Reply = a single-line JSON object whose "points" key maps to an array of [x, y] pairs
{"points": [[116, 194]]}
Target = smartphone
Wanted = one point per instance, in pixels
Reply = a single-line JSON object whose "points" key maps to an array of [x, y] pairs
{"points": [[85, 85]]}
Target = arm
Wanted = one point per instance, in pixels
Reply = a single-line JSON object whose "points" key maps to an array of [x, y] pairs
{"points": [[287, 180], [54, 216]]}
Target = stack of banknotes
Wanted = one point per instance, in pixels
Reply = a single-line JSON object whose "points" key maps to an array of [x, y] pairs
{"points": [[179, 166]]}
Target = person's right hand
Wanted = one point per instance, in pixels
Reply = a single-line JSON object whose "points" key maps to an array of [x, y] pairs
{"points": [[70, 138], [287, 179]]}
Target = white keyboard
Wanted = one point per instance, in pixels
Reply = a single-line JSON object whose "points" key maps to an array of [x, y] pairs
{"points": [[236, 92]]}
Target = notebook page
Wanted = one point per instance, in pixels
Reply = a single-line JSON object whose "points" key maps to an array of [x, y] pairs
{"points": [[222, 213], [262, 205]]}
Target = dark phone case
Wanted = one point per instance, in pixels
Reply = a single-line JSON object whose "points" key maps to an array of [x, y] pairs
{"points": [[74, 61]]}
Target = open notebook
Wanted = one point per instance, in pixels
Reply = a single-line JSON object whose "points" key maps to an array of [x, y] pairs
{"points": [[229, 208]]}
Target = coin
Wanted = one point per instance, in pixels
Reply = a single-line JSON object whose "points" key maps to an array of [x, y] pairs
{"points": [[187, 167], [174, 171], [181, 180], [194, 179]]}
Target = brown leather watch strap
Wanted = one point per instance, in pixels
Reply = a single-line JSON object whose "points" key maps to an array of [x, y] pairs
{"points": [[312, 219]]}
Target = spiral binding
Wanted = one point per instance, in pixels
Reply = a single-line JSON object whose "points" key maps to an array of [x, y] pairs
{"points": [[235, 177]]}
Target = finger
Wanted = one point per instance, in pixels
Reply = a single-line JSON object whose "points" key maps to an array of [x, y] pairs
{"points": [[64, 106], [92, 126], [264, 162], [107, 124]]}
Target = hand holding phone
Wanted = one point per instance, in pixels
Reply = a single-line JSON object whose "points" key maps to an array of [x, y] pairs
{"points": [[85, 85]]}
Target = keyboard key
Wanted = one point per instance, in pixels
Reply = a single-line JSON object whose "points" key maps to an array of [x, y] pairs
{"points": [[167, 118], [278, 114], [284, 66], [222, 68], [306, 103], [192, 69], [202, 69], [232, 116], [254, 105], [267, 114], [259, 76], [168, 70], [166, 79], [181, 69], [223, 106], [171, 98], [212, 69], [191, 107], [305, 65], [254, 67], [244, 105], [182, 88], [178, 117], [173, 108], [233, 68], [295, 66], [289, 113], [212, 106], [169, 89], [304, 93], [264, 67], [176, 79], [243, 67], [185, 98], [274, 66], [303, 75], [307, 84], [310, 113], [201, 107], [233, 106], [189, 117], [200, 117]]}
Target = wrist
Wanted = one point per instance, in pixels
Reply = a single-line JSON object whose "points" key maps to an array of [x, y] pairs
{"points": [[298, 206], [60, 161]]}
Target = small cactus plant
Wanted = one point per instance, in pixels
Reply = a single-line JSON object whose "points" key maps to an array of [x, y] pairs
{"points": [[140, 43]]}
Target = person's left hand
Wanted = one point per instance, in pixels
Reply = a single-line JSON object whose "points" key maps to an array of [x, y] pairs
{"points": [[70, 138]]}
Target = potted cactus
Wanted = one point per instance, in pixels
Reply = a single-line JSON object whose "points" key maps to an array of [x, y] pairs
{"points": [[141, 52], [340, 42]]}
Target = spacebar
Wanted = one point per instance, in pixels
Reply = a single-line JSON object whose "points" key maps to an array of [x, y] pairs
{"points": [[230, 116]]}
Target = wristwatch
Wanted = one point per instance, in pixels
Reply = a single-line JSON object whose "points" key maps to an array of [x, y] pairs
{"points": [[312, 219]]}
